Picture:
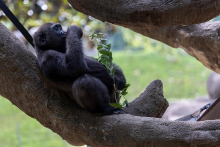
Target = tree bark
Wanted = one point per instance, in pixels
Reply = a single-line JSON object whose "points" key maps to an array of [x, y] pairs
{"points": [[23, 84], [149, 13], [150, 103]]}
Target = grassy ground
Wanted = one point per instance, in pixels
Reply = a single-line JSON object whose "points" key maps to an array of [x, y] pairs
{"points": [[183, 77]]}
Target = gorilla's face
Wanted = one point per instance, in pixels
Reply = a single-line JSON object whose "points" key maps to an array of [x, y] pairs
{"points": [[50, 36]]}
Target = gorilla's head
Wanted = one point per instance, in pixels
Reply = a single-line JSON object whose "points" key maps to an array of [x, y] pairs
{"points": [[50, 36]]}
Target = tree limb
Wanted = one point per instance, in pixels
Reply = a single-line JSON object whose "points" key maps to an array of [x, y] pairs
{"points": [[149, 13], [201, 41], [25, 87], [150, 103]]}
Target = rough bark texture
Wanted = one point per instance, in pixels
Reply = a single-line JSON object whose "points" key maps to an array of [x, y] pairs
{"points": [[148, 104], [25, 87], [201, 41], [149, 13]]}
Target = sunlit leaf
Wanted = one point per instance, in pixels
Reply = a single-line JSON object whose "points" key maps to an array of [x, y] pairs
{"points": [[125, 103], [116, 105], [124, 92], [127, 85], [104, 51]]}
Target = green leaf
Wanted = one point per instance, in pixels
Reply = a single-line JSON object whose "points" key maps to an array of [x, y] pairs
{"points": [[99, 47], [125, 103], [99, 33], [104, 51], [105, 58], [103, 46], [112, 71], [99, 59], [93, 35], [109, 46], [106, 61], [102, 39], [127, 85], [106, 46], [124, 92], [116, 105], [110, 54]]}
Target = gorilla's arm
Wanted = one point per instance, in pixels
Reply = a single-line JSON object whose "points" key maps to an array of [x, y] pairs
{"points": [[74, 54], [53, 64]]}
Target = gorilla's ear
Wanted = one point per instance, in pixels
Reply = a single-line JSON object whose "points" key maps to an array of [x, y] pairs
{"points": [[42, 38]]}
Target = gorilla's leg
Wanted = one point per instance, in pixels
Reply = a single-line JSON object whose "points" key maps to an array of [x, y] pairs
{"points": [[91, 94]]}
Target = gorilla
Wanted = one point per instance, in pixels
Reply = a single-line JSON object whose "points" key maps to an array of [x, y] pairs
{"points": [[62, 61]]}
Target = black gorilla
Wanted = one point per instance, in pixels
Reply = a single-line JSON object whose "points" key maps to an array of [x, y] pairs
{"points": [[61, 59]]}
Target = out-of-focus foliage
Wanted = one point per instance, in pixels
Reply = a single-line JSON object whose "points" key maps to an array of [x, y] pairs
{"points": [[37, 12], [137, 41]]}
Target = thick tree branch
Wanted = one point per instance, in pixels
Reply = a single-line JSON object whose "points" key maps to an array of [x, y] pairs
{"points": [[201, 41], [25, 87], [150, 103], [149, 13]]}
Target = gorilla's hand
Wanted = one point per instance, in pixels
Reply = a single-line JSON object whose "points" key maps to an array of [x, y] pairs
{"points": [[75, 30]]}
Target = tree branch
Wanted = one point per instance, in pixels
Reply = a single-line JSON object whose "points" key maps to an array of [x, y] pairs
{"points": [[151, 103], [25, 87], [201, 41], [149, 13]]}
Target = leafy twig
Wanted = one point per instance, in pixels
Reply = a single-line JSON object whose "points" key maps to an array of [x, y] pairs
{"points": [[105, 58]]}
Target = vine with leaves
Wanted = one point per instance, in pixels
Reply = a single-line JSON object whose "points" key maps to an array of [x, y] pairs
{"points": [[105, 58]]}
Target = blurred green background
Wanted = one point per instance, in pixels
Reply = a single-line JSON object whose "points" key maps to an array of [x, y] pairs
{"points": [[142, 60]]}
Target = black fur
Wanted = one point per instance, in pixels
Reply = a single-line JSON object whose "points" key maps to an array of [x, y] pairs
{"points": [[61, 60]]}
